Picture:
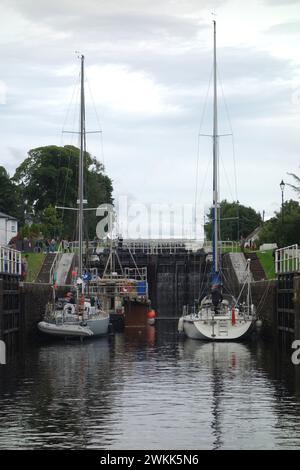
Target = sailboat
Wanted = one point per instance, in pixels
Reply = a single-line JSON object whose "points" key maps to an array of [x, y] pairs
{"points": [[83, 318], [219, 316]]}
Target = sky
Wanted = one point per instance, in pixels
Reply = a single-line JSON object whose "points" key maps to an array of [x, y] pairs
{"points": [[148, 68]]}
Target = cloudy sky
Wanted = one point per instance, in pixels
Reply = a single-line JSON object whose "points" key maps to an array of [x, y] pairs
{"points": [[148, 66]]}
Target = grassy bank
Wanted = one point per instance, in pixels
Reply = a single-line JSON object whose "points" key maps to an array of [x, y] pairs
{"points": [[35, 261], [267, 261]]}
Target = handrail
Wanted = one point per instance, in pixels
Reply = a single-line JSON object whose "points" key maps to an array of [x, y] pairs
{"points": [[55, 263], [10, 260], [157, 246], [287, 259]]}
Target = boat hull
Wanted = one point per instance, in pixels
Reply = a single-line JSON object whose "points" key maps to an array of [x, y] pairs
{"points": [[94, 327], [211, 330], [64, 330], [99, 326]]}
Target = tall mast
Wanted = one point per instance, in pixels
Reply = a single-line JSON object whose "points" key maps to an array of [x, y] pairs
{"points": [[215, 165], [81, 167]]}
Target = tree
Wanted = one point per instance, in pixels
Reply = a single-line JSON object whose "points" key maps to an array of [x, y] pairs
{"points": [[284, 228], [295, 186], [235, 220], [10, 196], [49, 177], [51, 224]]}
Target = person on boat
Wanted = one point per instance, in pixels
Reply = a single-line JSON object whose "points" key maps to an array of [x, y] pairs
{"points": [[69, 298], [216, 295]]}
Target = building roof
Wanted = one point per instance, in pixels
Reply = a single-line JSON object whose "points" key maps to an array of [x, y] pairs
{"points": [[254, 234], [6, 216]]}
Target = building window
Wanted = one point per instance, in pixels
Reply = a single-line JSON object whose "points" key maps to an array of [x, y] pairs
{"points": [[13, 227]]}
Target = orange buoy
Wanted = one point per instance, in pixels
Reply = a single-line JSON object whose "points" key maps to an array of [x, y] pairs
{"points": [[233, 320], [151, 317], [151, 314]]}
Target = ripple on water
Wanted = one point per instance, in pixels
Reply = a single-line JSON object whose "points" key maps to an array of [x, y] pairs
{"points": [[168, 394]]}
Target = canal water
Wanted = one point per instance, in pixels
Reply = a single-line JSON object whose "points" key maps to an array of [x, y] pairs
{"points": [[150, 390]]}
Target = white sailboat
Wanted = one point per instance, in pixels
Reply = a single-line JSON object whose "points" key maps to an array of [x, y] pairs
{"points": [[218, 317], [83, 318]]}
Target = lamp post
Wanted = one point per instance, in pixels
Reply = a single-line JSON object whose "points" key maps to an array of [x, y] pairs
{"points": [[282, 185]]}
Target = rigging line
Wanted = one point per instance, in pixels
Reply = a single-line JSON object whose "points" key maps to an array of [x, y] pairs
{"points": [[98, 122], [232, 137], [204, 181], [69, 161], [74, 98], [198, 144], [75, 90], [226, 176], [203, 279]]}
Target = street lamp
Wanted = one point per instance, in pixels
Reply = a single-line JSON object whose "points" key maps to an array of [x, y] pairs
{"points": [[282, 185]]}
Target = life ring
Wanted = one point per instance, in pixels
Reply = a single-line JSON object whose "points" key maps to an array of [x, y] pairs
{"points": [[69, 308]]}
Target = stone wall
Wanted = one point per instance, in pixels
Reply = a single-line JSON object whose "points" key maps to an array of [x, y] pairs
{"points": [[34, 298], [264, 298]]}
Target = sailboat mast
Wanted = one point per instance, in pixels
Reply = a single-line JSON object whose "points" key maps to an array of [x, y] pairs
{"points": [[81, 167], [215, 165]]}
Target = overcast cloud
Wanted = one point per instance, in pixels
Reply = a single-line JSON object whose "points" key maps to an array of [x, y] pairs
{"points": [[148, 65]]}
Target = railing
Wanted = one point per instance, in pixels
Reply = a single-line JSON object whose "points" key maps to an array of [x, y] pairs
{"points": [[139, 274], [224, 246], [10, 261], [55, 263], [119, 286], [287, 259]]}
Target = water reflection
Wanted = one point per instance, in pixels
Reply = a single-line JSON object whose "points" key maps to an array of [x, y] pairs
{"points": [[149, 389]]}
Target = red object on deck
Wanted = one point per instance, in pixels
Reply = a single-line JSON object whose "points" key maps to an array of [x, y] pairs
{"points": [[233, 321], [151, 314]]}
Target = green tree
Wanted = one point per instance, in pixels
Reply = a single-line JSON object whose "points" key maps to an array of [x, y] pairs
{"points": [[284, 227], [10, 196], [235, 220], [49, 177], [50, 222]]}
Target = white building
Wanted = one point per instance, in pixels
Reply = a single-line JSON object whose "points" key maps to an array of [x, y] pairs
{"points": [[8, 228]]}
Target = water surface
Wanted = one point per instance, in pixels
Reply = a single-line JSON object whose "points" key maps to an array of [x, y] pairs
{"points": [[150, 390]]}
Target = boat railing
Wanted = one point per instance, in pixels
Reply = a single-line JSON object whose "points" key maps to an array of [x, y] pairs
{"points": [[55, 263], [121, 287], [10, 261], [287, 259]]}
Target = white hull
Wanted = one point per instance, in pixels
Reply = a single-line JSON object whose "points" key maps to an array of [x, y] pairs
{"points": [[97, 326], [64, 329], [217, 329]]}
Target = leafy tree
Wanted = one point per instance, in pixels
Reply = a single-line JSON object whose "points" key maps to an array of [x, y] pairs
{"points": [[51, 223], [284, 228], [295, 186], [49, 177], [31, 231], [236, 220], [10, 196]]}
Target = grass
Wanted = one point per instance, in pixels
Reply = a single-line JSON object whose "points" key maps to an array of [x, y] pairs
{"points": [[267, 261], [35, 261]]}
